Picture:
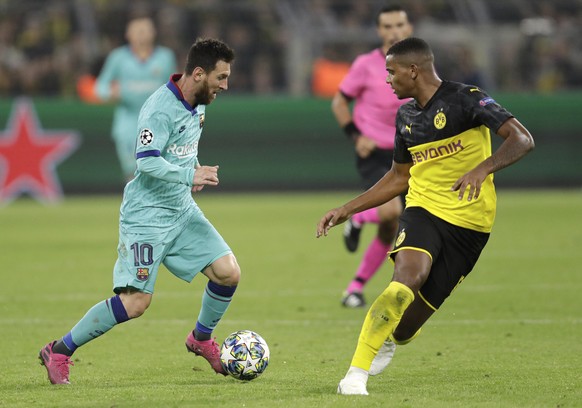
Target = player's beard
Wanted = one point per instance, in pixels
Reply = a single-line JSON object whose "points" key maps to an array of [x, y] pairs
{"points": [[203, 96]]}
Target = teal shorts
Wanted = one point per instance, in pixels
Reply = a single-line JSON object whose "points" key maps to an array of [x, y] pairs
{"points": [[185, 250]]}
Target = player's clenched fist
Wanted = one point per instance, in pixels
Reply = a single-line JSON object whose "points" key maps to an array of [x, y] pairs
{"points": [[205, 176]]}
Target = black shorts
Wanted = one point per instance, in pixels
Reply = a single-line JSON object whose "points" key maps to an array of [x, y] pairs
{"points": [[373, 167], [454, 251]]}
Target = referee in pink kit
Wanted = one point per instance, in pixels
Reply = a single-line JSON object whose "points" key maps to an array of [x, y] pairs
{"points": [[371, 128]]}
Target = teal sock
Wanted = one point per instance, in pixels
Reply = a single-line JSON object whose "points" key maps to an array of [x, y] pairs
{"points": [[97, 321], [215, 301]]}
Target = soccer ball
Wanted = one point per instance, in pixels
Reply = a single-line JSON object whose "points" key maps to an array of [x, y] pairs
{"points": [[244, 355]]}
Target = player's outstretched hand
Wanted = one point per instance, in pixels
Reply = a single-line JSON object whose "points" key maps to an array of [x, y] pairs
{"points": [[331, 219], [473, 180], [205, 176]]}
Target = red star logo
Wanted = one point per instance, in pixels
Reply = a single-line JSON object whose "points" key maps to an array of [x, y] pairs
{"points": [[29, 155]]}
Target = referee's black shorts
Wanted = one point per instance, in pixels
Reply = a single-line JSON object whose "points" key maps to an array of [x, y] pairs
{"points": [[454, 251], [373, 167]]}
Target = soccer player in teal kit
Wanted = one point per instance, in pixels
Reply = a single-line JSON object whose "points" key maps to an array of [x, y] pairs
{"points": [[159, 220], [130, 75]]}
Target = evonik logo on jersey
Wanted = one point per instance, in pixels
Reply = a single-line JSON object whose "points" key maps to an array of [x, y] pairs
{"points": [[183, 151], [434, 152]]}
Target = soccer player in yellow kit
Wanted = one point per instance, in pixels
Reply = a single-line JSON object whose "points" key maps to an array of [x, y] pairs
{"points": [[442, 155]]}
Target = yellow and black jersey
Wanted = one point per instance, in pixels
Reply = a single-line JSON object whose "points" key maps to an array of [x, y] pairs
{"points": [[444, 140]]}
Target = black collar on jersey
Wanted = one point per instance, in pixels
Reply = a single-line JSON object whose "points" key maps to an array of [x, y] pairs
{"points": [[432, 98], [172, 86]]}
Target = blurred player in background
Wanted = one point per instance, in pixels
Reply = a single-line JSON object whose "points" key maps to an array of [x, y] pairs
{"points": [[442, 155], [371, 129], [159, 220], [131, 73]]}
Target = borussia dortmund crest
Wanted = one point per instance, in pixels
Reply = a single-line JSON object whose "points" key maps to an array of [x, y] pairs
{"points": [[400, 238], [440, 120]]}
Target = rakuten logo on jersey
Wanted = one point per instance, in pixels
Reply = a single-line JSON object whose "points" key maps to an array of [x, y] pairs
{"points": [[182, 151]]}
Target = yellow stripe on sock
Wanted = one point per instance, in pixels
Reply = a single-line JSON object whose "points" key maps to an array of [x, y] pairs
{"points": [[380, 322]]}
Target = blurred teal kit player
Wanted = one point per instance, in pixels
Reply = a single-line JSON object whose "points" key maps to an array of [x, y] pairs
{"points": [[160, 223], [131, 73]]}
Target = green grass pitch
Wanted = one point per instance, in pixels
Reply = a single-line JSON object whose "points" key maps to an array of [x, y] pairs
{"points": [[510, 336]]}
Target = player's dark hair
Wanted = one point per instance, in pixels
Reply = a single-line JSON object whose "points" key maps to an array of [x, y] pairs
{"points": [[411, 45], [392, 8], [205, 53]]}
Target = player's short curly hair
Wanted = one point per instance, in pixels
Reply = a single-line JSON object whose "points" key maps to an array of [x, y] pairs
{"points": [[411, 45], [205, 53]]}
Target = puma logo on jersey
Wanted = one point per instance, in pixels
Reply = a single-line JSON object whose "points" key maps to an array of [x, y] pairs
{"points": [[409, 128]]}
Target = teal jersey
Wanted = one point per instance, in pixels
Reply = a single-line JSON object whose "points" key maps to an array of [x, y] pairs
{"points": [[137, 80], [169, 130]]}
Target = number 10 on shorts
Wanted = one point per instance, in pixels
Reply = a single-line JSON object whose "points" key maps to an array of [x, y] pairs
{"points": [[143, 254]]}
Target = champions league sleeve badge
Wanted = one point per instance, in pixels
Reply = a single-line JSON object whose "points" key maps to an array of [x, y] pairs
{"points": [[146, 137]]}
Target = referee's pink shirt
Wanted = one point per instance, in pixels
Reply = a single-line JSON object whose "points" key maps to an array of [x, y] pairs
{"points": [[375, 104]]}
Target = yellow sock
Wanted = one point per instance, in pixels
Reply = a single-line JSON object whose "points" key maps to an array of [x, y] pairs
{"points": [[380, 322]]}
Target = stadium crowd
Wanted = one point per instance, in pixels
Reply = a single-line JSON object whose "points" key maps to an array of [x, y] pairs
{"points": [[45, 46]]}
